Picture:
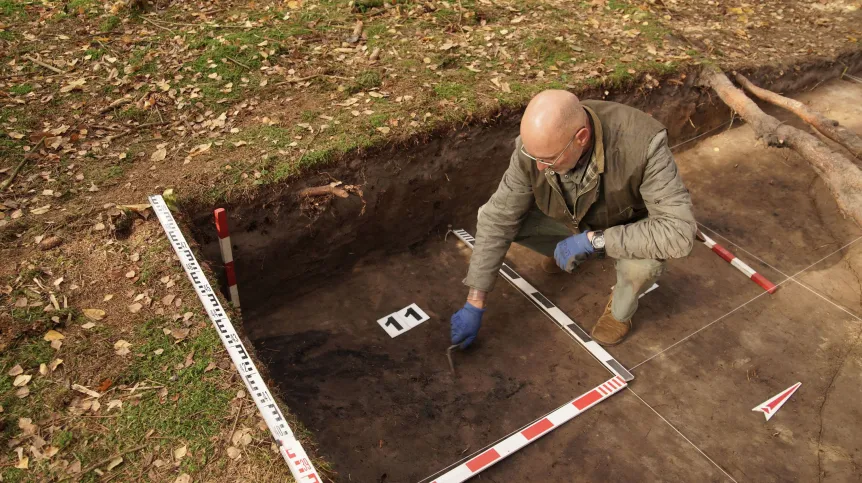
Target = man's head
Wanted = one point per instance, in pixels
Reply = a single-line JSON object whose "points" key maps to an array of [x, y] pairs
{"points": [[555, 130]]}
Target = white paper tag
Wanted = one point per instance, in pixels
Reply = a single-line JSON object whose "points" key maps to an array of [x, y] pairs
{"points": [[405, 319]]}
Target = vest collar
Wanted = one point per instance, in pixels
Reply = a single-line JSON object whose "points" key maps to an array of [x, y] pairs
{"points": [[598, 144]]}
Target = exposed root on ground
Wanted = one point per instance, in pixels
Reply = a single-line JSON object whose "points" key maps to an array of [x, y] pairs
{"points": [[842, 177]]}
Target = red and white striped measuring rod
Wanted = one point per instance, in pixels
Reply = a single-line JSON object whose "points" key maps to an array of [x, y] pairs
{"points": [[736, 262], [289, 447], [226, 254], [531, 432], [558, 316]]}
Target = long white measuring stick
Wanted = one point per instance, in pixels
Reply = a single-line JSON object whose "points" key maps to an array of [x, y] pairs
{"points": [[297, 460], [557, 315], [533, 431]]}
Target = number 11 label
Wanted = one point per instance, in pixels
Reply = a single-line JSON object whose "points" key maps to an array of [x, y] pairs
{"points": [[405, 319]]}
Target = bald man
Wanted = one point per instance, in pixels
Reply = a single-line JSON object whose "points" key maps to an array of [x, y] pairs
{"points": [[586, 180]]}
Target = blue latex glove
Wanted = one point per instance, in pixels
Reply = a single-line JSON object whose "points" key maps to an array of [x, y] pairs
{"points": [[572, 251], [465, 325]]}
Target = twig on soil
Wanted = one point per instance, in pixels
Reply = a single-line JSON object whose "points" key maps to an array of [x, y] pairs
{"points": [[238, 63], [20, 165], [329, 189], [47, 66], [235, 420], [115, 104], [145, 19]]}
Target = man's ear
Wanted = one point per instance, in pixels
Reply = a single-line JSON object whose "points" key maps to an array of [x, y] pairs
{"points": [[583, 137]]}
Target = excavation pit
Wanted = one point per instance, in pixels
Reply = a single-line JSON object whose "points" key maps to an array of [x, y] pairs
{"points": [[314, 279]]}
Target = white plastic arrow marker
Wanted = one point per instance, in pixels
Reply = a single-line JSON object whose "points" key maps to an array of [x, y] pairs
{"points": [[773, 404]]}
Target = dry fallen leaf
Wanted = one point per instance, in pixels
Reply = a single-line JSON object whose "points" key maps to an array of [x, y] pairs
{"points": [[74, 85], [114, 463], [183, 478], [94, 314], [135, 308], [233, 453], [122, 347], [23, 461], [108, 297], [130, 274], [53, 335], [22, 380], [88, 325], [180, 334], [159, 155], [22, 392], [17, 370], [54, 364], [181, 452], [88, 391], [40, 210]]}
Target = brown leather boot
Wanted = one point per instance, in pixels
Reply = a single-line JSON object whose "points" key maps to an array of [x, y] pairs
{"points": [[549, 265], [609, 331]]}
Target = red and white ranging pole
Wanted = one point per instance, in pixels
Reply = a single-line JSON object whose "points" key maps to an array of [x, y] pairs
{"points": [[739, 264], [226, 254]]}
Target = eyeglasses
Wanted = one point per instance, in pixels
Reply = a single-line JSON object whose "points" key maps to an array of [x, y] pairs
{"points": [[557, 158]]}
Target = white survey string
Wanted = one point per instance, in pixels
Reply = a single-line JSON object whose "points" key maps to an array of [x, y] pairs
{"points": [[558, 316], [291, 450]]}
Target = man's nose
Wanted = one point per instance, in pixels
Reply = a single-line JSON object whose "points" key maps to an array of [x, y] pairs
{"points": [[541, 167]]}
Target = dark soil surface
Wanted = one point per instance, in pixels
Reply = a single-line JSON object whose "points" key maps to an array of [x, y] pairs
{"points": [[388, 409]]}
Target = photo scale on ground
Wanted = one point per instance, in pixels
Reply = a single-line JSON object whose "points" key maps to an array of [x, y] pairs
{"points": [[389, 409]]}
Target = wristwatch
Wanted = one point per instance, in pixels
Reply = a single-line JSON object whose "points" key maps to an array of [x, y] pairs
{"points": [[598, 243]]}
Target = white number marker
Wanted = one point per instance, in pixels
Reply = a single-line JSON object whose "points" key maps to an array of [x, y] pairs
{"points": [[405, 319]]}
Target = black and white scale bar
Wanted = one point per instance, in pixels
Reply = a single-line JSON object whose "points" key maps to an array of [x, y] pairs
{"points": [[557, 315], [291, 450]]}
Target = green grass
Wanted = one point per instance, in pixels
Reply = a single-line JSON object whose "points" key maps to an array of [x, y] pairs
{"points": [[199, 406], [12, 9], [548, 51], [451, 90], [367, 79], [21, 89], [95, 54], [109, 24]]}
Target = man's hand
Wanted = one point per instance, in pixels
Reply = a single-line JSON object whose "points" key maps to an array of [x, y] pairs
{"points": [[465, 325], [573, 250]]}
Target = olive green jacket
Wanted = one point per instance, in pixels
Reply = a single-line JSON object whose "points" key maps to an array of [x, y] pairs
{"points": [[631, 190]]}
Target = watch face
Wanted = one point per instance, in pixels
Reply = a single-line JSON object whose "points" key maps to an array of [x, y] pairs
{"points": [[599, 241]]}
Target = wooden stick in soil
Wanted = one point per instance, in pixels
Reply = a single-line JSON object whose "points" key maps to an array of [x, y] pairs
{"points": [[20, 165], [47, 66], [829, 127], [842, 177], [324, 190]]}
